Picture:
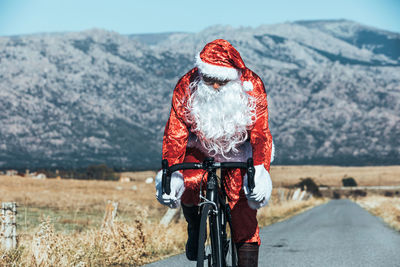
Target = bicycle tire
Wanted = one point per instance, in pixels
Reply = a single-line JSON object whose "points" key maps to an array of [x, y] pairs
{"points": [[217, 253], [202, 234], [214, 259], [224, 248]]}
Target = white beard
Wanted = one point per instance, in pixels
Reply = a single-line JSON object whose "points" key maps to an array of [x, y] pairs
{"points": [[220, 119]]}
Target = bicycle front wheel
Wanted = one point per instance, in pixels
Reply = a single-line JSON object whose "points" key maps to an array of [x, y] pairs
{"points": [[212, 252]]}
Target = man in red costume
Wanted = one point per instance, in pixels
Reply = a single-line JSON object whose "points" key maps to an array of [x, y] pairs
{"points": [[219, 109]]}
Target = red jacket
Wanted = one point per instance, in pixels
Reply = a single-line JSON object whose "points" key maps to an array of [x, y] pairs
{"points": [[177, 130]]}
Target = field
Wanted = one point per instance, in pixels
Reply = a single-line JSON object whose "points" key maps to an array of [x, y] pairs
{"points": [[60, 221], [332, 175]]}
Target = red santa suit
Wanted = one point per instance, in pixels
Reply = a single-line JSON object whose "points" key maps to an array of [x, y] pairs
{"points": [[220, 60]]}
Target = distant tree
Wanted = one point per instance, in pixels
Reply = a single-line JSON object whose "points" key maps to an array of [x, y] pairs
{"points": [[100, 172], [349, 181]]}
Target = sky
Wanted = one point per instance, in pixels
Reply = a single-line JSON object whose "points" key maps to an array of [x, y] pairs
{"points": [[156, 16]]}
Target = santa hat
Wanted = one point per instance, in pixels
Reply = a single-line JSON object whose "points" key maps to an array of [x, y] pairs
{"points": [[220, 60]]}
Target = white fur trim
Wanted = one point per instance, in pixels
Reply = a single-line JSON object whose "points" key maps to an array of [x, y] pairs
{"points": [[248, 86], [272, 152], [218, 72]]}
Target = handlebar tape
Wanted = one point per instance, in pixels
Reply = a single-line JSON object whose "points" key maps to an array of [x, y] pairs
{"points": [[166, 177], [250, 174]]}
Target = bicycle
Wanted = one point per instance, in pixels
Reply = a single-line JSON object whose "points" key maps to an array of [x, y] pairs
{"points": [[214, 208]]}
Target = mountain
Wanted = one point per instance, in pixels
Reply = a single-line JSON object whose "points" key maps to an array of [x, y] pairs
{"points": [[75, 99]]}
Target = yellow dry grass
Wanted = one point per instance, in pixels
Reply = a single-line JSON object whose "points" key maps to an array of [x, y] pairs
{"points": [[388, 208], [280, 211], [135, 239], [80, 196], [75, 194], [68, 194], [120, 245], [123, 244], [332, 175]]}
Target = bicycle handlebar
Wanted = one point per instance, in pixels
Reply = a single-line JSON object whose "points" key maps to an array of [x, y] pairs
{"points": [[207, 165]]}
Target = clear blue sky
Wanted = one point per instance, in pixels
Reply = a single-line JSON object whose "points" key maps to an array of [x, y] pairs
{"points": [[154, 16]]}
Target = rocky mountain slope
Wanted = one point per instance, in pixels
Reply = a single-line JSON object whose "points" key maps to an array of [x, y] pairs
{"points": [[75, 99]]}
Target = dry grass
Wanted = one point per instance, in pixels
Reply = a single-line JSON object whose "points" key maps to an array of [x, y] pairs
{"points": [[124, 244], [78, 202], [388, 208], [59, 222], [120, 245], [72, 233], [279, 211], [332, 175], [76, 194], [91, 196]]}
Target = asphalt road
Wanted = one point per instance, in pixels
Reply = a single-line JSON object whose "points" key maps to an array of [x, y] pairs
{"points": [[339, 233]]}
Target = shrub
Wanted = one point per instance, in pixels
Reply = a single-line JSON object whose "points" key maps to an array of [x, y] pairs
{"points": [[117, 245], [310, 186], [359, 193], [100, 172], [349, 181], [388, 194]]}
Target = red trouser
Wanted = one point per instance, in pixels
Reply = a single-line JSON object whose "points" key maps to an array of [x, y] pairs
{"points": [[244, 219]]}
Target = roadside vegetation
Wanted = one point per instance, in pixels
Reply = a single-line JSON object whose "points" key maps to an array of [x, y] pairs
{"points": [[131, 243], [284, 176], [60, 221], [92, 172], [386, 207]]}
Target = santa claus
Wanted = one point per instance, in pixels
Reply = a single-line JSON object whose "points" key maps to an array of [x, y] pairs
{"points": [[219, 109]]}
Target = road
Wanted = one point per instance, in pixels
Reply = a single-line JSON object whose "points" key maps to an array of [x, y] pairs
{"points": [[338, 233]]}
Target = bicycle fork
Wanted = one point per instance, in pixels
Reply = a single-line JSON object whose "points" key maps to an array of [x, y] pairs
{"points": [[212, 195]]}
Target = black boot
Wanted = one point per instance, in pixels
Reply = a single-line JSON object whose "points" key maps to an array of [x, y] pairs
{"points": [[193, 219], [247, 254]]}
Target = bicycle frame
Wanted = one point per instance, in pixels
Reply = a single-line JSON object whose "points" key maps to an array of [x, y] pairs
{"points": [[212, 198], [215, 207]]}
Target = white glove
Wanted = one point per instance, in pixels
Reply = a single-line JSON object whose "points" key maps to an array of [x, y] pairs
{"points": [[262, 188], [173, 200]]}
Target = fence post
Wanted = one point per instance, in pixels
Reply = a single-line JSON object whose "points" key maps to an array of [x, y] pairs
{"points": [[9, 225], [281, 195], [110, 214], [296, 194], [303, 193], [289, 195]]}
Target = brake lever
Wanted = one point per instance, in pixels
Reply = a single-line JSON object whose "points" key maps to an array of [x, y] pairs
{"points": [[166, 177], [250, 174]]}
